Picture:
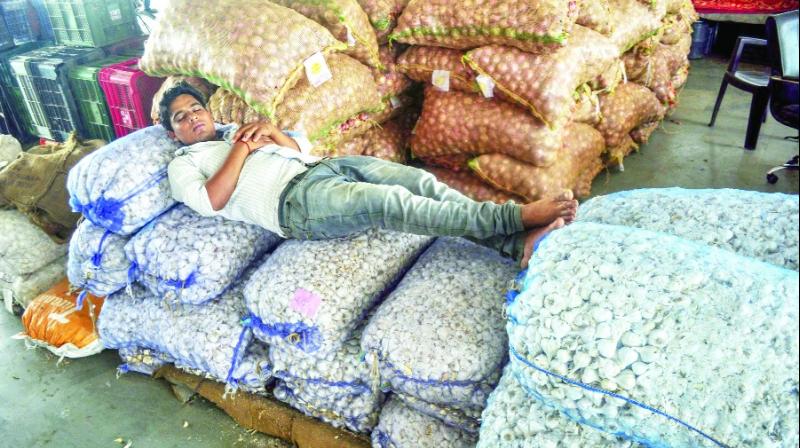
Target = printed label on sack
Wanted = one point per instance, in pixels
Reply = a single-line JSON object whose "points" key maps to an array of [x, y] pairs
{"points": [[441, 80], [317, 70], [487, 86], [395, 102], [351, 41], [114, 12], [305, 302]]}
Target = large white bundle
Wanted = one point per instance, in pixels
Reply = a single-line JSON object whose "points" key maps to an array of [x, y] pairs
{"points": [[659, 339], [24, 248], [514, 419], [97, 260], [124, 185], [209, 338], [402, 427], [439, 335], [22, 289], [9, 149], [184, 257], [338, 387], [760, 225], [311, 295]]}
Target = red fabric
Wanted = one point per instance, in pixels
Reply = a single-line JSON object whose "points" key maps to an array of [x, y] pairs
{"points": [[745, 6]]}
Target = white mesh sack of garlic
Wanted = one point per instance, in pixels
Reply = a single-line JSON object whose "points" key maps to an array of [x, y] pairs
{"points": [[759, 225], [184, 257], [311, 295], [439, 336], [338, 388], [402, 427], [123, 185], [141, 360], [659, 339], [23, 288], [514, 419], [97, 260], [209, 338], [24, 248], [465, 419], [358, 413]]}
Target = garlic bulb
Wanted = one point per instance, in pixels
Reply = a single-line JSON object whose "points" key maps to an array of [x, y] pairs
{"points": [[402, 427]]}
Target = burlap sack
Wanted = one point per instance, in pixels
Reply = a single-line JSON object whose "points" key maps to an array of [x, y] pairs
{"points": [[465, 24], [579, 162], [628, 107], [346, 20], [472, 186], [546, 83], [463, 123], [36, 183], [252, 47], [203, 86]]}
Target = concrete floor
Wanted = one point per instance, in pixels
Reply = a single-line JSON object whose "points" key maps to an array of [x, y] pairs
{"points": [[81, 403]]}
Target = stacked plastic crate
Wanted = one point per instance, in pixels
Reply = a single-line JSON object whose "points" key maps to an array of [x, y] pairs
{"points": [[130, 95], [59, 83], [17, 118]]}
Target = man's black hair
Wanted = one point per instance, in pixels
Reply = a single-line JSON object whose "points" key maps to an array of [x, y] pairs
{"points": [[170, 95]]}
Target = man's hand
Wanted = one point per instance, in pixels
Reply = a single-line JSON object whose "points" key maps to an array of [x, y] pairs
{"points": [[254, 132]]}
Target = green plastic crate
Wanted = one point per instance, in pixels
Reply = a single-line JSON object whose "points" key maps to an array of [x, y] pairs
{"points": [[91, 100], [7, 77], [92, 23], [12, 92], [43, 77]]}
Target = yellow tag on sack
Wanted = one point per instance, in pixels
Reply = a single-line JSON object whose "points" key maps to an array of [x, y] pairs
{"points": [[441, 80], [317, 70], [486, 85]]}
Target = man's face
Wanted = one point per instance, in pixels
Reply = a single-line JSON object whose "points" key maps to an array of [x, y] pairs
{"points": [[191, 122]]}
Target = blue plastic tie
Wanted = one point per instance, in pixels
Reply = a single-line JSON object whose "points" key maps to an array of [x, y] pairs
{"points": [[97, 257], [236, 354], [513, 352], [79, 301]]}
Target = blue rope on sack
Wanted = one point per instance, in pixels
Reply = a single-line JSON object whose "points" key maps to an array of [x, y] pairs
{"points": [[246, 326], [97, 257], [309, 339], [515, 354], [182, 284], [80, 299], [108, 212]]}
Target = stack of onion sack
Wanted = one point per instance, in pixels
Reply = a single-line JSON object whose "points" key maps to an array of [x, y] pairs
{"points": [[658, 339], [438, 339], [540, 73]]}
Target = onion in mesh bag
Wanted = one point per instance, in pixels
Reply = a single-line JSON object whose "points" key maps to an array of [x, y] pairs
{"points": [[614, 156], [514, 419], [595, 14], [472, 186], [438, 336], [184, 257], [535, 27], [311, 295], [387, 142], [418, 63], [462, 123], [97, 260], [207, 339], [346, 20], [252, 47], [758, 225], [382, 15], [641, 135], [659, 339], [574, 170], [546, 83], [628, 107], [390, 80], [401, 426], [632, 22]]}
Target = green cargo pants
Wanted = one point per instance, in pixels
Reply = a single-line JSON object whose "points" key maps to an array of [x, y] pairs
{"points": [[342, 196]]}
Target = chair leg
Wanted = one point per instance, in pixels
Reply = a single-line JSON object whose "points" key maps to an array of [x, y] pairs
{"points": [[766, 112], [721, 94], [757, 106]]}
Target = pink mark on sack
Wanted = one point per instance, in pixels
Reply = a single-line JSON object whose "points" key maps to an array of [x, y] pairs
{"points": [[305, 302]]}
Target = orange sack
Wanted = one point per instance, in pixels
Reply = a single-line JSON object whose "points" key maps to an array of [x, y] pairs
{"points": [[53, 321]]}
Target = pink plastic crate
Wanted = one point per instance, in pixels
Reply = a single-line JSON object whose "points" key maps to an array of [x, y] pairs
{"points": [[129, 93]]}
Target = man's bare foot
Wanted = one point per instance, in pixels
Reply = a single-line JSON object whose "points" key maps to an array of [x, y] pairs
{"points": [[536, 235], [545, 211]]}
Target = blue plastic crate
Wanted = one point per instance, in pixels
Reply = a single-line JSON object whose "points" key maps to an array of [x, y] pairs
{"points": [[43, 75], [18, 21], [6, 40]]}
